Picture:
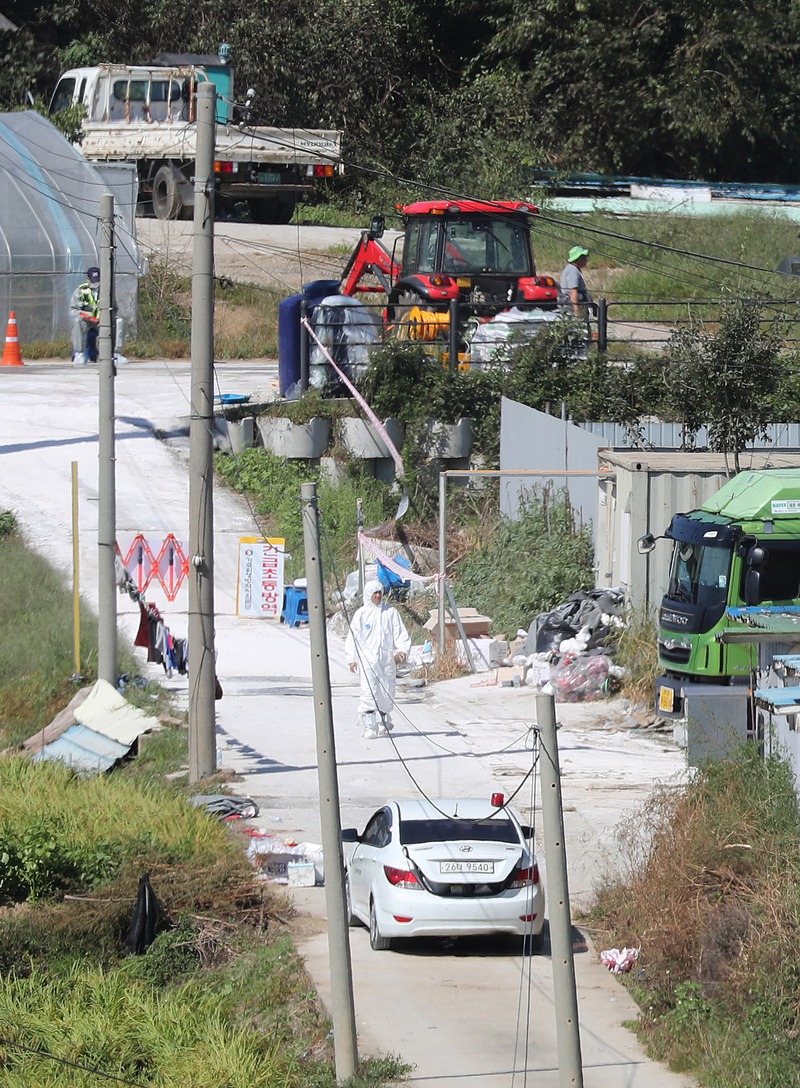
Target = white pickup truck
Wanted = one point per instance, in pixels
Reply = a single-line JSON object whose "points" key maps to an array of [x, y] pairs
{"points": [[146, 114]]}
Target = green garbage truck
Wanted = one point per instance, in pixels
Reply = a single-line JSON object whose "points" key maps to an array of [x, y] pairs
{"points": [[741, 548]]}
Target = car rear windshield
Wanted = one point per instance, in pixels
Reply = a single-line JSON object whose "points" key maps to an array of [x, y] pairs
{"points": [[417, 831]]}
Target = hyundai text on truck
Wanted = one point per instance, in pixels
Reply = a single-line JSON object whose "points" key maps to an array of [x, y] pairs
{"points": [[741, 548], [146, 114]]}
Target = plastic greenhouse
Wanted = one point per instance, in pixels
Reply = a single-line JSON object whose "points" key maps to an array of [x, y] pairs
{"points": [[50, 226]]}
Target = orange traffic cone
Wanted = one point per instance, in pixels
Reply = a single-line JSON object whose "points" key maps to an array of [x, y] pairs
{"points": [[11, 353]]}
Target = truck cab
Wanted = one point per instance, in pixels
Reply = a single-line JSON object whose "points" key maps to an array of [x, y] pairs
{"points": [[130, 94], [740, 548]]}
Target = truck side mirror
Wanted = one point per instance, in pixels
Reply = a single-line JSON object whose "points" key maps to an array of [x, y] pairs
{"points": [[752, 587], [645, 544], [377, 225], [756, 557]]}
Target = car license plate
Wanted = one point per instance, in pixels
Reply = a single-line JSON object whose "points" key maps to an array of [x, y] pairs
{"points": [[666, 699], [463, 281], [269, 177], [466, 866]]}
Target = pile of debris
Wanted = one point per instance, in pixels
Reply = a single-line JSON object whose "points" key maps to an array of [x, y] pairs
{"points": [[571, 648]]}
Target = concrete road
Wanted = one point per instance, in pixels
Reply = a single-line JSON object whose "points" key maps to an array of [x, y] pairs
{"points": [[471, 1012]]}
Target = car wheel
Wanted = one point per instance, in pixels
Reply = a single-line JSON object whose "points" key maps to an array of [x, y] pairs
{"points": [[377, 942], [533, 942], [352, 919]]}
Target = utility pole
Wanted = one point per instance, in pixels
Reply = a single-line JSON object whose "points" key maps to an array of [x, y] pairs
{"points": [[568, 1038], [342, 1005], [360, 520], [106, 487], [202, 669], [441, 641]]}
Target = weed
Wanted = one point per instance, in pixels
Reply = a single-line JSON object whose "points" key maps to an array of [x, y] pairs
{"points": [[637, 653], [275, 485], [710, 896], [524, 567]]}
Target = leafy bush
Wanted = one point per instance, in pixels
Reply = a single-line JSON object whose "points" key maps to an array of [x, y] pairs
{"points": [[526, 566]]}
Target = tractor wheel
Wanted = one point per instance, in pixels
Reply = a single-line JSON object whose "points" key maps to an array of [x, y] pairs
{"points": [[399, 311], [167, 203]]}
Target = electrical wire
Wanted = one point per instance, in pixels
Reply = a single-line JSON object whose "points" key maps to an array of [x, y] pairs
{"points": [[40, 1052], [395, 706]]}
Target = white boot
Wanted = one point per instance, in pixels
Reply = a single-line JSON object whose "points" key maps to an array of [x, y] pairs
{"points": [[79, 358]]}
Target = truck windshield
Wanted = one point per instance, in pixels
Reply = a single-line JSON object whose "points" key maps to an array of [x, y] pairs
{"points": [[63, 95], [699, 574]]}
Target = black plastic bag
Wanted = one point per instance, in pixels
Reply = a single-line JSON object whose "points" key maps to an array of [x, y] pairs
{"points": [[142, 931]]}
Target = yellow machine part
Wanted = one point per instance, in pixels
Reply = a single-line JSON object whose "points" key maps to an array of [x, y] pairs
{"points": [[419, 324]]}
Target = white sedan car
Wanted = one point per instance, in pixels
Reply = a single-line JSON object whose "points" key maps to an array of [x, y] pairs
{"points": [[447, 868]]}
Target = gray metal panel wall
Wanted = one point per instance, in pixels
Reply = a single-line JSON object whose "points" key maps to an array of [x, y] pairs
{"points": [[534, 440], [656, 434]]}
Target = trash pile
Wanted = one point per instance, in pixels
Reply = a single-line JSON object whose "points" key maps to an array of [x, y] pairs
{"points": [[284, 861], [570, 649], [619, 960]]}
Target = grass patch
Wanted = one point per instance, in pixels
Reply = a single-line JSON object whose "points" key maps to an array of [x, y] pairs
{"points": [[245, 317], [637, 652], [517, 569], [36, 650], [274, 484], [710, 894]]}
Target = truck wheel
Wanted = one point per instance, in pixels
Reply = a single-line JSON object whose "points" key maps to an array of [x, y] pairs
{"points": [[167, 201], [271, 211]]}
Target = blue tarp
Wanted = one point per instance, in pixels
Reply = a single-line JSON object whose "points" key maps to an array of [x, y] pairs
{"points": [[84, 750]]}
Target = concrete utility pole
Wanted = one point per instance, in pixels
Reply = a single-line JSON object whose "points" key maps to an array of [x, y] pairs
{"points": [[202, 669], [106, 487], [568, 1038], [342, 1006]]}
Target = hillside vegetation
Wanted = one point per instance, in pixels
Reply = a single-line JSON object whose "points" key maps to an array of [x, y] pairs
{"points": [[468, 94]]}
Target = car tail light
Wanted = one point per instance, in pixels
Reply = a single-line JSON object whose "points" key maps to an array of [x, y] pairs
{"points": [[323, 170], [545, 281], [523, 878], [402, 918], [401, 878], [223, 167], [528, 917]]}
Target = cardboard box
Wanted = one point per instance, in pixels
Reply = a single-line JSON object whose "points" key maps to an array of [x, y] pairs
{"points": [[510, 676], [487, 653], [474, 624]]}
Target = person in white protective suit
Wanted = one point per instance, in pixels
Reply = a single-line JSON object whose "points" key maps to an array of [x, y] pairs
{"points": [[376, 641]]}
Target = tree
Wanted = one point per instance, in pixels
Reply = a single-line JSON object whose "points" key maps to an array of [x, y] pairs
{"points": [[726, 379]]}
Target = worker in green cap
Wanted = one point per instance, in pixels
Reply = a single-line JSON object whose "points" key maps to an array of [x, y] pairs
{"points": [[574, 296]]}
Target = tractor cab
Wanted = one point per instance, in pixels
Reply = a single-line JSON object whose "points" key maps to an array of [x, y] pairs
{"points": [[478, 252]]}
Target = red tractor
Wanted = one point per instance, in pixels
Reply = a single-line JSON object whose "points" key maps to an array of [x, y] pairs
{"points": [[474, 253]]}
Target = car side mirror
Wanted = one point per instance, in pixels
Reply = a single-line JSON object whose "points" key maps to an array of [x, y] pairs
{"points": [[349, 834], [645, 544], [377, 226], [527, 831]]}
